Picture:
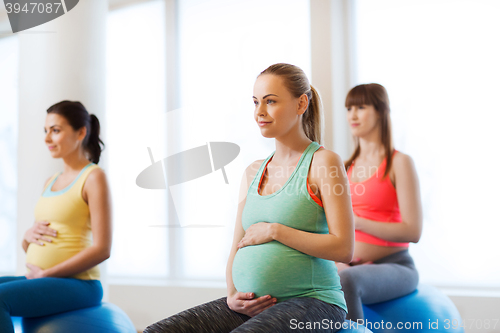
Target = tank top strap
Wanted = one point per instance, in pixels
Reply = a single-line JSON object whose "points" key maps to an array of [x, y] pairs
{"points": [[50, 182], [80, 181], [383, 165], [381, 168], [306, 160], [258, 175], [304, 165], [74, 187]]}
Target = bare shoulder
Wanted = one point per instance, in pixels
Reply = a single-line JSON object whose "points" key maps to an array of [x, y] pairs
{"points": [[403, 169], [325, 158], [326, 167], [96, 177], [96, 184], [247, 179], [402, 162], [252, 169]]}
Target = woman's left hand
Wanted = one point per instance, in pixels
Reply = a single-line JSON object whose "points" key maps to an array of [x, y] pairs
{"points": [[35, 272], [257, 233]]}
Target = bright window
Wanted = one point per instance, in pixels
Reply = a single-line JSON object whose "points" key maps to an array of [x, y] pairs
{"points": [[8, 152], [224, 45], [439, 62], [135, 121]]}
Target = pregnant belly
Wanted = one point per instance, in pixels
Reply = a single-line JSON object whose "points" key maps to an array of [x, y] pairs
{"points": [[273, 269], [52, 253]]}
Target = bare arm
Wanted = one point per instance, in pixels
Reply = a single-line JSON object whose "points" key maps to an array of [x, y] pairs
{"points": [[238, 234], [97, 192], [338, 244], [410, 206]]}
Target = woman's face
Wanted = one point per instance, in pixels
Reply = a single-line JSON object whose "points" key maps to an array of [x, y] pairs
{"points": [[60, 137], [276, 110], [363, 119]]}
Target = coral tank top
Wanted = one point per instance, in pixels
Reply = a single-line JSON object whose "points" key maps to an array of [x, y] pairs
{"points": [[375, 199]]}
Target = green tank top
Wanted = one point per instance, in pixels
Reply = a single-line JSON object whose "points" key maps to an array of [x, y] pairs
{"points": [[273, 268]]}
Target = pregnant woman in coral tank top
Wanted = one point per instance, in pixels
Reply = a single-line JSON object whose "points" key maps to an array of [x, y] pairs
{"points": [[294, 221], [386, 203], [72, 230]]}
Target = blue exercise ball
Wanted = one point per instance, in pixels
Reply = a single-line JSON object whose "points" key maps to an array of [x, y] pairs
{"points": [[425, 310], [103, 318]]}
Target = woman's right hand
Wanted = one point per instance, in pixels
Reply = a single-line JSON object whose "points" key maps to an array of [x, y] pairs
{"points": [[246, 304], [38, 232]]}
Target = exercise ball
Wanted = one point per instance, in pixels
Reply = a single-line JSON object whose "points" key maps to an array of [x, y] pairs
{"points": [[425, 310], [104, 318]]}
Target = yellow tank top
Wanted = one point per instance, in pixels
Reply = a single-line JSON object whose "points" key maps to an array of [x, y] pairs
{"points": [[69, 214]]}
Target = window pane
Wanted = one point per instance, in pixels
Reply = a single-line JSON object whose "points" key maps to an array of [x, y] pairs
{"points": [[8, 152], [136, 119], [224, 45], [439, 62]]}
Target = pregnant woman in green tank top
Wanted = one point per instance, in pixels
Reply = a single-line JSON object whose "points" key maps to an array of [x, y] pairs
{"points": [[294, 222]]}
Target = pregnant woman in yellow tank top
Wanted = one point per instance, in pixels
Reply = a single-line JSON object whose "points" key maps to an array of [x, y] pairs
{"points": [[72, 230], [293, 222]]}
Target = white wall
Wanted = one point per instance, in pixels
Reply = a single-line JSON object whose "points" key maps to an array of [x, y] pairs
{"points": [[477, 311]]}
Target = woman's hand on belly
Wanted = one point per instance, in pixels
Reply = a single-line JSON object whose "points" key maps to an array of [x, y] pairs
{"points": [[38, 232], [35, 272], [258, 233], [246, 304]]}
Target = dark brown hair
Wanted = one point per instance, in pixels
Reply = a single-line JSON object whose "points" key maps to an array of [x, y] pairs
{"points": [[296, 82], [78, 117], [376, 95]]}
